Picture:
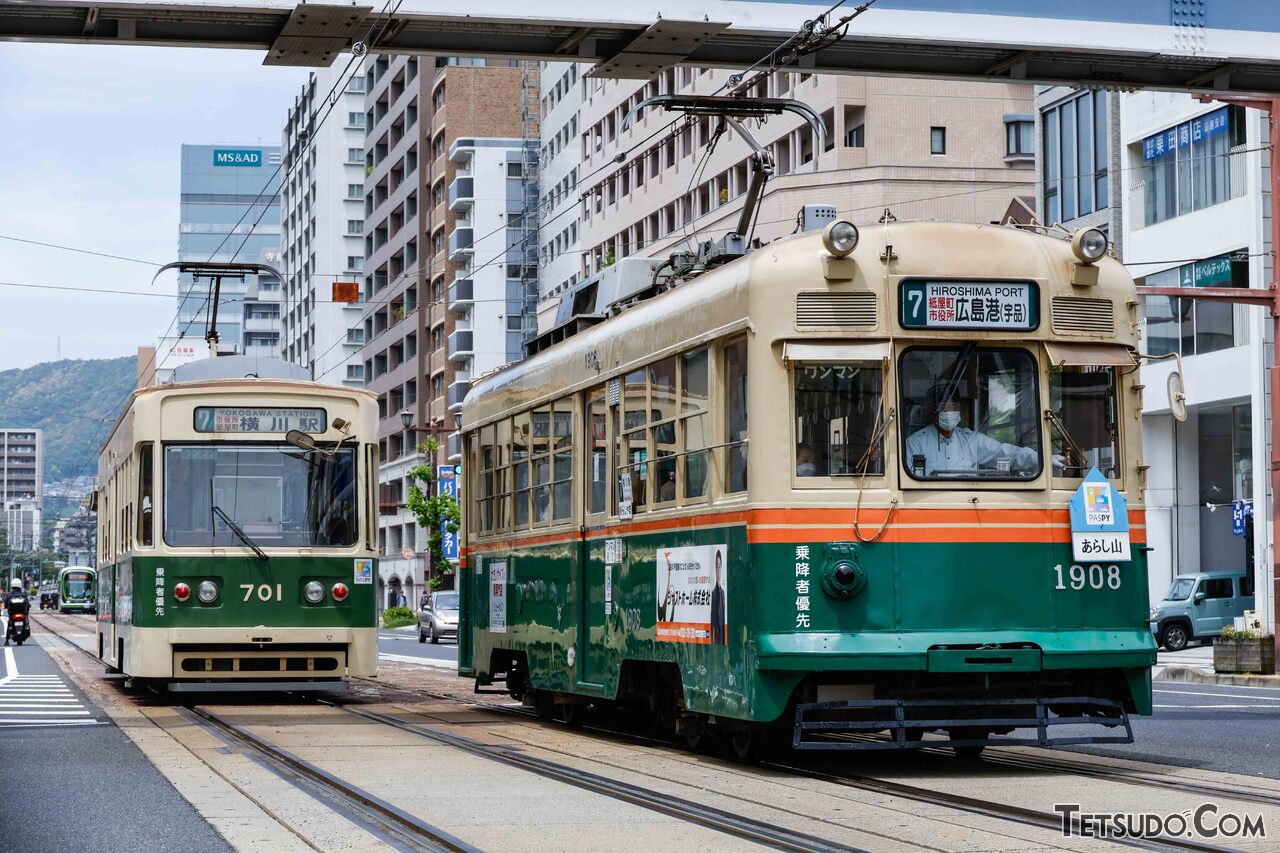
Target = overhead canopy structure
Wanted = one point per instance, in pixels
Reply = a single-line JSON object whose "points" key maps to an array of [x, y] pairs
{"points": [[1212, 46]]}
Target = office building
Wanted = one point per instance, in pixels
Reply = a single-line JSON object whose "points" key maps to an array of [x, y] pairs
{"points": [[322, 225], [22, 486], [1196, 208], [418, 243], [230, 211], [893, 148], [559, 255]]}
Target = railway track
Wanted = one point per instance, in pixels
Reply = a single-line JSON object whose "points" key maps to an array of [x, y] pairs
{"points": [[761, 832]]}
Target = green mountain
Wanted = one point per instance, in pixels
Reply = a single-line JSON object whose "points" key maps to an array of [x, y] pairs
{"points": [[75, 402]]}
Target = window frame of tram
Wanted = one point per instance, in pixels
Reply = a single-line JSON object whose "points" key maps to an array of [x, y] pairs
{"points": [[817, 388], [662, 429], [912, 404], [146, 495], [1097, 415]]}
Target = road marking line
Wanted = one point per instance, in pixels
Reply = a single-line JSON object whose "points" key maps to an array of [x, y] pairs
{"points": [[425, 661], [27, 724], [1222, 695], [1215, 707], [51, 711], [10, 666], [5, 706]]}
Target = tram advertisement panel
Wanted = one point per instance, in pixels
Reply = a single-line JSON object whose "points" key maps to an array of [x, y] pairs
{"points": [[692, 594]]}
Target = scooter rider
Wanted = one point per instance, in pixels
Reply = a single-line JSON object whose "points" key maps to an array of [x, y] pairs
{"points": [[15, 602]]}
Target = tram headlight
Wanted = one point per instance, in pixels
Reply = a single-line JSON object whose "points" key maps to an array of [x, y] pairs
{"points": [[181, 591], [313, 592], [207, 592], [840, 238], [1089, 245], [340, 591]]}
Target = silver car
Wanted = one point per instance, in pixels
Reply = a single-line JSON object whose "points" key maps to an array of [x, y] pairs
{"points": [[438, 617]]}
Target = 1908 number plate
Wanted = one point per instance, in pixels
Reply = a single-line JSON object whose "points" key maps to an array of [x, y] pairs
{"points": [[1095, 577]]}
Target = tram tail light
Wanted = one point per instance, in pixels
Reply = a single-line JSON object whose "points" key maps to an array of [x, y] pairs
{"points": [[181, 591], [340, 592]]}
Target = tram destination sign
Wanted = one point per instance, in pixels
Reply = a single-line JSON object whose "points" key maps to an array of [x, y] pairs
{"points": [[1001, 305], [235, 419]]}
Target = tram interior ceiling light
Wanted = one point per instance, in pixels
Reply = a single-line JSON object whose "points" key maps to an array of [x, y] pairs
{"points": [[207, 592]]}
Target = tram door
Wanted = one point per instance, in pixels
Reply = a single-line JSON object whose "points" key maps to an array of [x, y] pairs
{"points": [[595, 576]]}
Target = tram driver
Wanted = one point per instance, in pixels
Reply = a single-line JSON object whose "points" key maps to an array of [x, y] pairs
{"points": [[944, 447]]}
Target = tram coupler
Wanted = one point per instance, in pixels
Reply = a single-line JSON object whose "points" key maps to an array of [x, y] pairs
{"points": [[851, 723]]}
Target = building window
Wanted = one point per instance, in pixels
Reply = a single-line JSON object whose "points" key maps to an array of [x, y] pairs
{"points": [[355, 190], [355, 119], [937, 140], [1020, 136], [1075, 157], [355, 226], [355, 155], [515, 170], [1188, 167], [355, 262], [1190, 326], [856, 137]]}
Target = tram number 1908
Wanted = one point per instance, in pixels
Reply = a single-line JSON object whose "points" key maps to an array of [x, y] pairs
{"points": [[264, 591], [1094, 577]]}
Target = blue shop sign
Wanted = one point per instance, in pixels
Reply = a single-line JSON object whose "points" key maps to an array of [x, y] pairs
{"points": [[1099, 521], [1200, 128], [1241, 511], [237, 157], [447, 478]]}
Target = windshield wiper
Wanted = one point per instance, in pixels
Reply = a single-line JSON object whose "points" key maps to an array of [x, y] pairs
{"points": [[239, 531]]}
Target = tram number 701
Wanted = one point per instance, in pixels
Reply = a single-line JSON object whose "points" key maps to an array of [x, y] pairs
{"points": [[1095, 577], [263, 591]]}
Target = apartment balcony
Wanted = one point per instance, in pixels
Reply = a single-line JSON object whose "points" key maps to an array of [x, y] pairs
{"points": [[460, 244], [453, 447], [460, 345], [461, 294], [458, 392], [262, 324], [461, 193]]}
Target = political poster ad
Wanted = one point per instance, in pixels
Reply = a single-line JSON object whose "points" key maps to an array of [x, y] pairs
{"points": [[692, 594]]}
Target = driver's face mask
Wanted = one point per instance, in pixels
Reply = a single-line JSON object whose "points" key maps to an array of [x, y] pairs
{"points": [[948, 420], [806, 469]]}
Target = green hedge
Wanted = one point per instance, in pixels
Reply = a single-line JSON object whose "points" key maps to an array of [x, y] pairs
{"points": [[395, 617]]}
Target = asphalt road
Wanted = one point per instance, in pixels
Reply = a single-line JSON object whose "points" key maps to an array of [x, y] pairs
{"points": [[404, 644], [1209, 726], [73, 781]]}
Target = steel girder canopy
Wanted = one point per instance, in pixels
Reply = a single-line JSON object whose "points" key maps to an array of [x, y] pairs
{"points": [[1210, 46]]}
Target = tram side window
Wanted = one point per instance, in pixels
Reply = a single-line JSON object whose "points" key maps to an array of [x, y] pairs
{"points": [[502, 475], [598, 451], [633, 442], [694, 388], [521, 436], [664, 408], [1083, 429], [735, 389], [838, 414], [145, 495], [562, 460], [483, 491]]}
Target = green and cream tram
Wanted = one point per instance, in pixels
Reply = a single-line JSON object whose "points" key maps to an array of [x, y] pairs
{"points": [[77, 586], [828, 478], [237, 531]]}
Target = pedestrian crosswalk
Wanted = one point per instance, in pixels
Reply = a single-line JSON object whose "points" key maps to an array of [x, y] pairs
{"points": [[39, 700]]}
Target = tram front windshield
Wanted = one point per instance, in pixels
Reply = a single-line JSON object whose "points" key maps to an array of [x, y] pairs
{"points": [[77, 586], [971, 412], [277, 495]]}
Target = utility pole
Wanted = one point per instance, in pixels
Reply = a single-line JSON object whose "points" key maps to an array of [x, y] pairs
{"points": [[1269, 299]]}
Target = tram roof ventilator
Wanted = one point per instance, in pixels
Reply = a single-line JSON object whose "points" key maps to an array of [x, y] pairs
{"points": [[632, 280]]}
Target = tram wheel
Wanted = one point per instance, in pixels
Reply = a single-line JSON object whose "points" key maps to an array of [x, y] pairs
{"points": [[570, 713], [972, 751], [543, 704], [746, 744]]}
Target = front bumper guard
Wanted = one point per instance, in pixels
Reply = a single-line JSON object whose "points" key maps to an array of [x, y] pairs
{"points": [[829, 725]]}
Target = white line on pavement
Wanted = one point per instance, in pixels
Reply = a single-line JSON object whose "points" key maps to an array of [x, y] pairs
{"points": [[50, 711], [1222, 695], [1215, 707], [10, 667], [447, 664]]}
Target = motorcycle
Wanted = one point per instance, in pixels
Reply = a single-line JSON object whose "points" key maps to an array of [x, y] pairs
{"points": [[19, 629]]}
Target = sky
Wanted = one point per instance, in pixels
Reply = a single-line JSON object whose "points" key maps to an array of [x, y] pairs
{"points": [[91, 147]]}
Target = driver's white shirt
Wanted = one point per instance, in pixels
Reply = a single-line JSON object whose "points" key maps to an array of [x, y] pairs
{"points": [[965, 450]]}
